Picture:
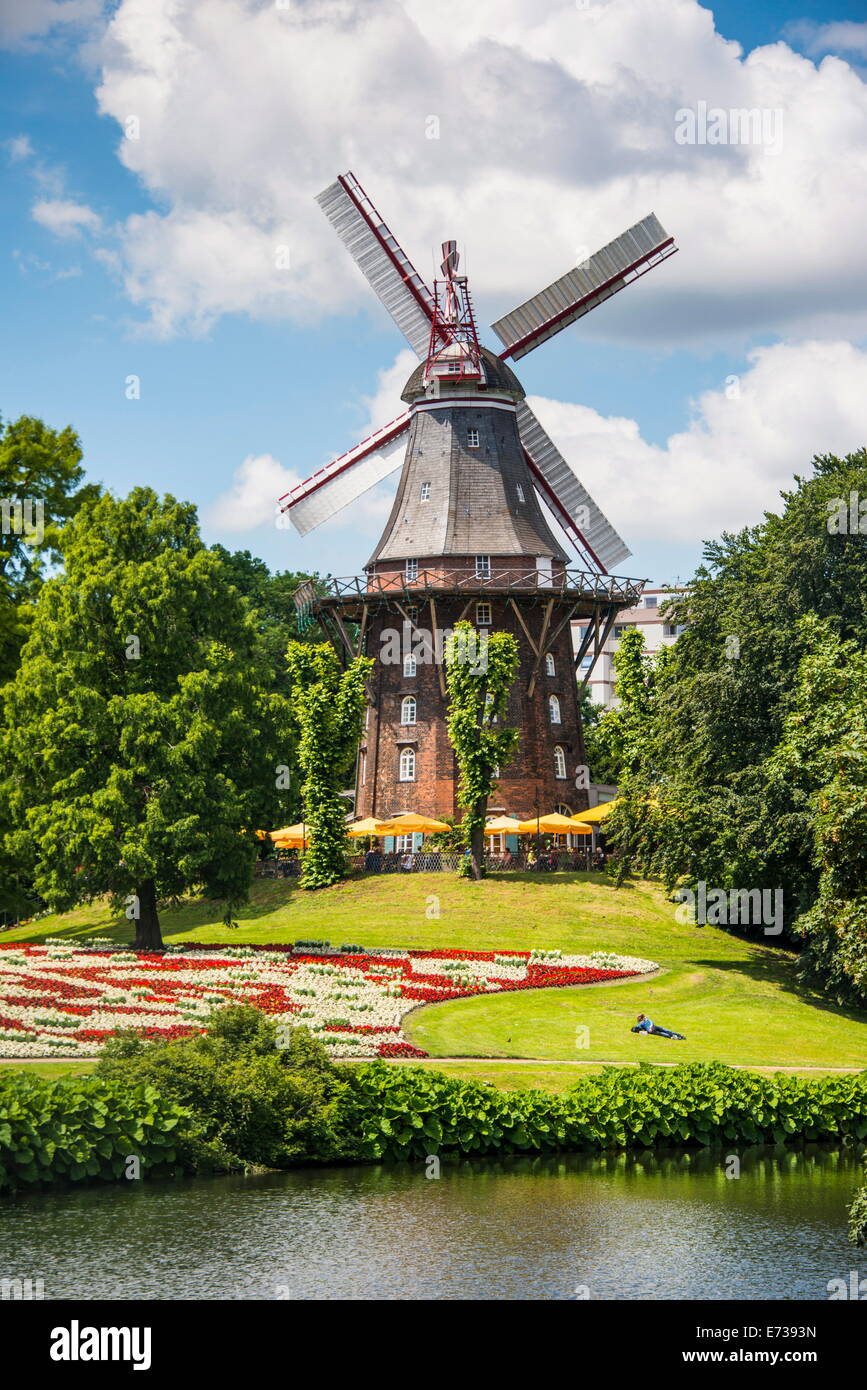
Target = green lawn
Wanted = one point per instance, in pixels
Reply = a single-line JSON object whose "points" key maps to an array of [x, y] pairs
{"points": [[737, 1000]]}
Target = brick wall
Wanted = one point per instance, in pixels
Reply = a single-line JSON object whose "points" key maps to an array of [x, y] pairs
{"points": [[531, 773]]}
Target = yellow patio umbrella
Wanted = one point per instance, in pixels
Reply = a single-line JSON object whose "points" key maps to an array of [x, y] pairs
{"points": [[291, 836], [596, 813], [368, 826], [553, 824], [500, 824], [409, 821]]}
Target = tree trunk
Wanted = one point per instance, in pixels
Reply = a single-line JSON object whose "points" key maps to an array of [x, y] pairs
{"points": [[148, 936], [477, 841]]}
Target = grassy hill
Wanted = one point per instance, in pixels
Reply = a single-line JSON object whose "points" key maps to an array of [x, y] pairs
{"points": [[738, 1000]]}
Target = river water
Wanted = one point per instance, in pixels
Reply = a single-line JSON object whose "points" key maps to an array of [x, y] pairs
{"points": [[554, 1228]]}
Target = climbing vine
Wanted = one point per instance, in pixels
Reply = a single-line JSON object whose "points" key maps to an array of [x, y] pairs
{"points": [[328, 705], [480, 673]]}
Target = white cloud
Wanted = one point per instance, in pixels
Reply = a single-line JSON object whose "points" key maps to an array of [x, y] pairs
{"points": [[840, 36], [24, 21], [556, 131], [65, 218], [741, 448], [251, 499], [385, 403], [18, 148]]}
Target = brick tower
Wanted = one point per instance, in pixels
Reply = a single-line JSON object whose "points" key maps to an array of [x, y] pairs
{"points": [[485, 509]]}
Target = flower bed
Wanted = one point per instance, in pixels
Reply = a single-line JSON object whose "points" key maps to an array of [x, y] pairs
{"points": [[64, 1001]]}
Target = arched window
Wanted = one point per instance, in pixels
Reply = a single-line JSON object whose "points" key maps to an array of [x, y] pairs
{"points": [[407, 709], [554, 709], [550, 668], [409, 666], [559, 763], [407, 765]]}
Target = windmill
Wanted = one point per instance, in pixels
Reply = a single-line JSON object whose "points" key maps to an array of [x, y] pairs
{"points": [[467, 528]]}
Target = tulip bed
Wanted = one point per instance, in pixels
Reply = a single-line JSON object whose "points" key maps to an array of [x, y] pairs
{"points": [[58, 1000]]}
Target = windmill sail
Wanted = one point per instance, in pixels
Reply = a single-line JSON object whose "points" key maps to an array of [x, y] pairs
{"points": [[578, 291], [333, 487], [381, 260], [560, 487]]}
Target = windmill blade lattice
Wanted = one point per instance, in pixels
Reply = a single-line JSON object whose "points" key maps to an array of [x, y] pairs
{"points": [[381, 260], [569, 494], [578, 291]]}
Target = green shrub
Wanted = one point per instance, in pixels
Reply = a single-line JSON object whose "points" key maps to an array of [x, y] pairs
{"points": [[255, 1101], [858, 1217], [410, 1112], [83, 1129]]}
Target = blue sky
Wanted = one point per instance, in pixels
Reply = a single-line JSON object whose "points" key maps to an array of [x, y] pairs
{"points": [[114, 261]]}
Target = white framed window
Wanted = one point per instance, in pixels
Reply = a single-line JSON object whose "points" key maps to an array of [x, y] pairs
{"points": [[483, 615], [409, 665], [411, 569], [407, 709], [472, 439], [424, 492], [621, 628], [521, 497], [403, 844], [554, 709], [559, 763], [455, 368], [651, 601], [550, 668], [495, 771], [407, 765], [483, 567]]}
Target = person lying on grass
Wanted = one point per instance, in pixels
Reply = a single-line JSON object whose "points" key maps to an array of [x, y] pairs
{"points": [[646, 1025]]}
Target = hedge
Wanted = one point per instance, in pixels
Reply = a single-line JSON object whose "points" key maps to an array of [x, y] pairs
{"points": [[410, 1112], [86, 1129]]}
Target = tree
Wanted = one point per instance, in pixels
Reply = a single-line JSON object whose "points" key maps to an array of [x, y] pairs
{"points": [[479, 680], [706, 800], [614, 740], [822, 760], [328, 705], [272, 597], [40, 489], [142, 747]]}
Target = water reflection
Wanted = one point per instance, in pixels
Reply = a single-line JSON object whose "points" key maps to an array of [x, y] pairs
{"points": [[655, 1226]]}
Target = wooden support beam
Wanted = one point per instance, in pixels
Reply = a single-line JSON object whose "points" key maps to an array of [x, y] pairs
{"points": [[546, 622], [518, 615], [344, 636], [599, 643], [440, 664]]}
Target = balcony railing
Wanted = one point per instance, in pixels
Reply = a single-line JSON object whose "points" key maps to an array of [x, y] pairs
{"points": [[448, 578]]}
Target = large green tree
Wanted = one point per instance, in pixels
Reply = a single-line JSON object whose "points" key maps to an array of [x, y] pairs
{"points": [[821, 761], [142, 744], [272, 597], [41, 487], [480, 673], [328, 703], [705, 801]]}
